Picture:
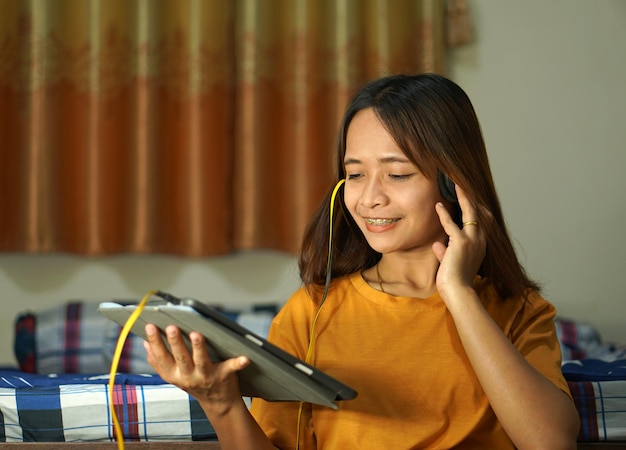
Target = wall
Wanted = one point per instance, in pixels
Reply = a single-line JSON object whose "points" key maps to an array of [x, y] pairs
{"points": [[547, 80]]}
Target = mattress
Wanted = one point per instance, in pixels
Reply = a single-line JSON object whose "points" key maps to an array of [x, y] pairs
{"points": [[599, 391], [60, 408], [56, 408]]}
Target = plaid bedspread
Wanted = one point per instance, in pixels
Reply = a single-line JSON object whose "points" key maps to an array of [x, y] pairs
{"points": [[599, 391], [602, 409], [76, 408], [38, 408]]}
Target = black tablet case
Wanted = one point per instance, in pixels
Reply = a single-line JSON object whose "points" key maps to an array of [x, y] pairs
{"points": [[273, 374]]}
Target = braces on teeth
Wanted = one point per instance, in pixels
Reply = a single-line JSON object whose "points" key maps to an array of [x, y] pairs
{"points": [[380, 221]]}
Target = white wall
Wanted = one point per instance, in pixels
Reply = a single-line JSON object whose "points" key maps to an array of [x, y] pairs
{"points": [[548, 82]]}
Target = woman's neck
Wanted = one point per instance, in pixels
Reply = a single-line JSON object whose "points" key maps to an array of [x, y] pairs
{"points": [[404, 275]]}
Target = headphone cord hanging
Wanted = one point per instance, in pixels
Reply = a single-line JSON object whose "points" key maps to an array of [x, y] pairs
{"points": [[117, 354], [309, 353]]}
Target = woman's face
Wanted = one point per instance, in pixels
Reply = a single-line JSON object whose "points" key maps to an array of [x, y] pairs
{"points": [[392, 202]]}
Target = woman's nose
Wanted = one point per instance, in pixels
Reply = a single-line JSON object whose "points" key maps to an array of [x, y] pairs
{"points": [[373, 193]]}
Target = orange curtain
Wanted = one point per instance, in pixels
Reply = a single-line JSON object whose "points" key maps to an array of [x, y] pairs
{"points": [[190, 127]]}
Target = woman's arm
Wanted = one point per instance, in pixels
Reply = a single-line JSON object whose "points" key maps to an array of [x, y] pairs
{"points": [[214, 385], [534, 412]]}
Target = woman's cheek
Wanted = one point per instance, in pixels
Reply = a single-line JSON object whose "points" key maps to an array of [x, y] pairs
{"points": [[350, 202]]}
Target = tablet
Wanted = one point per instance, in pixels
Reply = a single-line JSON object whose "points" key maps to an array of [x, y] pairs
{"points": [[273, 374]]}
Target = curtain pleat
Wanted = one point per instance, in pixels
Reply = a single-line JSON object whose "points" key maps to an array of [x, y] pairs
{"points": [[187, 127]]}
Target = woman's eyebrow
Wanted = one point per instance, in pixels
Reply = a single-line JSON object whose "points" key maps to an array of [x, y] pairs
{"points": [[394, 159], [384, 160]]}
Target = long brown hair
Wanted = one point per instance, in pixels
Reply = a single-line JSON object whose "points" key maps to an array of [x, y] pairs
{"points": [[434, 123]]}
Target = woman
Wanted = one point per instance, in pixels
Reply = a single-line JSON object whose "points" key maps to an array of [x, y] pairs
{"points": [[429, 315]]}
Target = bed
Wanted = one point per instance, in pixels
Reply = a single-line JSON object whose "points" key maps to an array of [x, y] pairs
{"points": [[57, 396]]}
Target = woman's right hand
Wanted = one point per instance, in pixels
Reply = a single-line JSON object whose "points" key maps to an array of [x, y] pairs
{"points": [[214, 385]]}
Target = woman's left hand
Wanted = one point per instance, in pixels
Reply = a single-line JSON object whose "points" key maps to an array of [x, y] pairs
{"points": [[462, 257]]}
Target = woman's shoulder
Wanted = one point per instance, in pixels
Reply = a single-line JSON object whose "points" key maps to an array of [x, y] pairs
{"points": [[530, 303]]}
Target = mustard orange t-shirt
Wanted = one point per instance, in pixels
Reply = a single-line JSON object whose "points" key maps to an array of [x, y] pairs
{"points": [[416, 387]]}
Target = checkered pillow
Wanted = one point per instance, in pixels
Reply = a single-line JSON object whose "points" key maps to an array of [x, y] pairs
{"points": [[581, 340], [72, 338], [75, 338]]}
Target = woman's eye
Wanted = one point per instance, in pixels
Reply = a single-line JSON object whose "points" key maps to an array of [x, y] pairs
{"points": [[400, 177], [354, 176]]}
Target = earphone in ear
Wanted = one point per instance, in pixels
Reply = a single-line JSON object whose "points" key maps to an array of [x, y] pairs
{"points": [[446, 187]]}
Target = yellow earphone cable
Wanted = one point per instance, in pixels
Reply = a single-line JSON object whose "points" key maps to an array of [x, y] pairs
{"points": [[117, 354], [309, 352]]}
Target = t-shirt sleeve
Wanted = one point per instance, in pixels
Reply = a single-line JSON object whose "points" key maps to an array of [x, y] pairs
{"points": [[533, 333]]}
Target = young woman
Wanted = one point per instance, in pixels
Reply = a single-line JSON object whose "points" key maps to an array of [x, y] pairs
{"points": [[429, 314]]}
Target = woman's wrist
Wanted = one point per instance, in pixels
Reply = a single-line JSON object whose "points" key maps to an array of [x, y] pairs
{"points": [[215, 409], [458, 295]]}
